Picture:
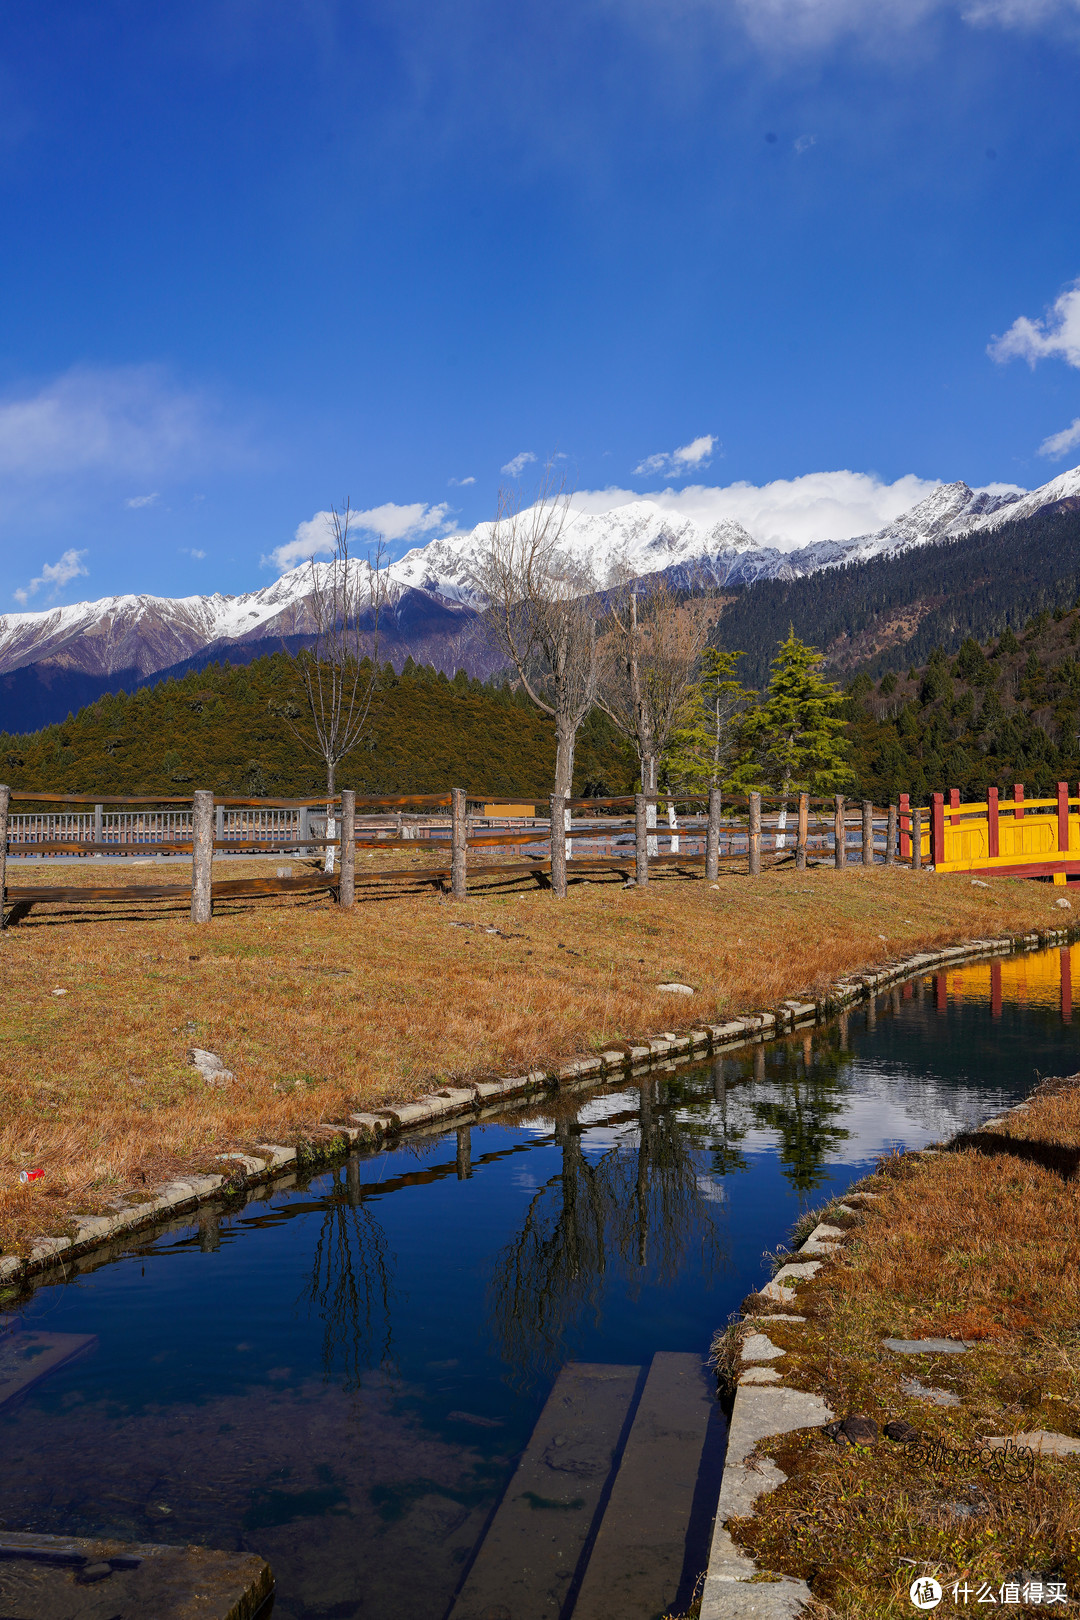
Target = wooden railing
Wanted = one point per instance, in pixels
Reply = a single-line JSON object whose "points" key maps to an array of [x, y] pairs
{"points": [[583, 837], [1017, 837]]}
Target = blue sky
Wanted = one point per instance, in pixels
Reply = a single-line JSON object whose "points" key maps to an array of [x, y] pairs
{"points": [[258, 256]]}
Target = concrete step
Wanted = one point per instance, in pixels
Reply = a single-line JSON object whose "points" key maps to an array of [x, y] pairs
{"points": [[527, 1561], [636, 1568]]}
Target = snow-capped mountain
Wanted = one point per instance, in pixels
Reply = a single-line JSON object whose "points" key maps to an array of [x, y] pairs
{"points": [[136, 636]]}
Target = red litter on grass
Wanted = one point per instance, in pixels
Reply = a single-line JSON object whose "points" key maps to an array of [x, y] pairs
{"points": [[30, 1175]]}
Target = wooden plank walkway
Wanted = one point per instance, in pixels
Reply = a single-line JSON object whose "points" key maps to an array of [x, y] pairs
{"points": [[528, 1560]]}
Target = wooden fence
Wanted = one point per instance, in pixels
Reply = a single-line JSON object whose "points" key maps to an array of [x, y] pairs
{"points": [[468, 839]]}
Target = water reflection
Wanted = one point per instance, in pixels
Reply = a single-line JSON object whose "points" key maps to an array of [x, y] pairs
{"points": [[351, 1284], [360, 1439]]}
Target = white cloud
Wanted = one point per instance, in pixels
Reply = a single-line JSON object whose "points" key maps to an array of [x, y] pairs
{"points": [[518, 463], [687, 458], [129, 421], [460, 483], [57, 574], [192, 551], [1056, 336], [788, 513], [782, 26], [803, 143], [1059, 444], [389, 522], [137, 501]]}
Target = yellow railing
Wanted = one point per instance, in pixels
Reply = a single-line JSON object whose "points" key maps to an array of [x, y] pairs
{"points": [[1029, 837]]}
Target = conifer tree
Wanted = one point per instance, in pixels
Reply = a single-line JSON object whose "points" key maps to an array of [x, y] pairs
{"points": [[704, 745], [794, 741]]}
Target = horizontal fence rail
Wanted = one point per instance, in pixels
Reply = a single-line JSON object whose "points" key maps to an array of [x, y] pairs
{"points": [[482, 836]]}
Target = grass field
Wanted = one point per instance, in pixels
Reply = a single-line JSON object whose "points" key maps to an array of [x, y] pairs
{"points": [[954, 1246], [318, 1012]]}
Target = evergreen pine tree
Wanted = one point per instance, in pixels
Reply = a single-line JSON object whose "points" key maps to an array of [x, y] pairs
{"points": [[702, 748], [794, 741]]}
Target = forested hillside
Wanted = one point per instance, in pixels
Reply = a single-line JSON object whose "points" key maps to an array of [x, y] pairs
{"points": [[1004, 711], [227, 727], [892, 612]]}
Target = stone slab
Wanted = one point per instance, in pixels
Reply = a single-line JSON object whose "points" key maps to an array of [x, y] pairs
{"points": [[28, 1356], [67, 1578], [637, 1560], [926, 1347], [530, 1555], [757, 1413], [759, 1347], [1041, 1441]]}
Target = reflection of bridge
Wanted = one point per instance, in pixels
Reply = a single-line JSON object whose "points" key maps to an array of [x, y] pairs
{"points": [[1015, 837], [1043, 979]]}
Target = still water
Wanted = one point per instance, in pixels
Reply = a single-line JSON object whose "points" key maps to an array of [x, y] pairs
{"points": [[340, 1375]]}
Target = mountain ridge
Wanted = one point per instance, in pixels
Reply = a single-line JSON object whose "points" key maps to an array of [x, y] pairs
{"points": [[83, 648]]}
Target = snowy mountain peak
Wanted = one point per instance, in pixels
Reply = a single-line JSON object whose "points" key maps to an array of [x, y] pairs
{"points": [[141, 634]]}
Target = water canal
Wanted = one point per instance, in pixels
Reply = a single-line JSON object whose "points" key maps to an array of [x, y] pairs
{"points": [[341, 1374]]}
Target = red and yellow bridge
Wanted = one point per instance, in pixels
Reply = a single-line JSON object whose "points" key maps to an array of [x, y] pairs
{"points": [[1017, 837]]}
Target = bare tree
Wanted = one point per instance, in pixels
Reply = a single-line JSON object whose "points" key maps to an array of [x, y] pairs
{"points": [[653, 643], [541, 608], [340, 672]]}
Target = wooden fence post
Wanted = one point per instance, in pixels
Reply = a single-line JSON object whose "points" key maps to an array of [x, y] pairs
{"points": [[803, 833], [905, 826], [202, 904], [458, 843], [937, 829], [916, 840], [558, 845], [755, 835], [839, 833], [993, 828], [641, 839], [890, 838], [712, 838], [5, 801], [867, 833], [347, 885], [1018, 796]]}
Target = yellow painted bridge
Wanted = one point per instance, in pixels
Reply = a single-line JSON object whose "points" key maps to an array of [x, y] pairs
{"points": [[1020, 837]]}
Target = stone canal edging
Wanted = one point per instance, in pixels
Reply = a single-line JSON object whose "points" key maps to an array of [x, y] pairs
{"points": [[481, 1099]]}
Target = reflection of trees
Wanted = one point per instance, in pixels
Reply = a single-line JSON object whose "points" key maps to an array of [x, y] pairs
{"points": [[638, 1206], [812, 1088], [351, 1284]]}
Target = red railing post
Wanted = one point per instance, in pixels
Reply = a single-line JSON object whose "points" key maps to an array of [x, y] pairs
{"points": [[954, 805], [1063, 817], [905, 826], [937, 829], [993, 846], [1018, 795]]}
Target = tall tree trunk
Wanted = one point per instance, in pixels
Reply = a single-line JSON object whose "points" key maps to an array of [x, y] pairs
{"points": [[649, 769], [328, 857], [565, 743]]}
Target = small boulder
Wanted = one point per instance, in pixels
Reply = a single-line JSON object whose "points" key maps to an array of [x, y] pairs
{"points": [[210, 1066], [675, 989], [1066, 905], [856, 1430]]}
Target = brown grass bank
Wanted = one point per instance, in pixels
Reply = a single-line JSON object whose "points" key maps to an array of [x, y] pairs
{"points": [[318, 1012], [958, 1246]]}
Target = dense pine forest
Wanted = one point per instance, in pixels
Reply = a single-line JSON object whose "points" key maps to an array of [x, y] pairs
{"points": [[1003, 711], [231, 728], [891, 613]]}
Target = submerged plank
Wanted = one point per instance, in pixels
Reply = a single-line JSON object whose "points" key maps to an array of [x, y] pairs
{"points": [[528, 1558], [69, 1578], [637, 1561]]}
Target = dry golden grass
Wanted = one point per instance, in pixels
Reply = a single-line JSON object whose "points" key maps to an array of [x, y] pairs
{"points": [[957, 1246], [319, 1012]]}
